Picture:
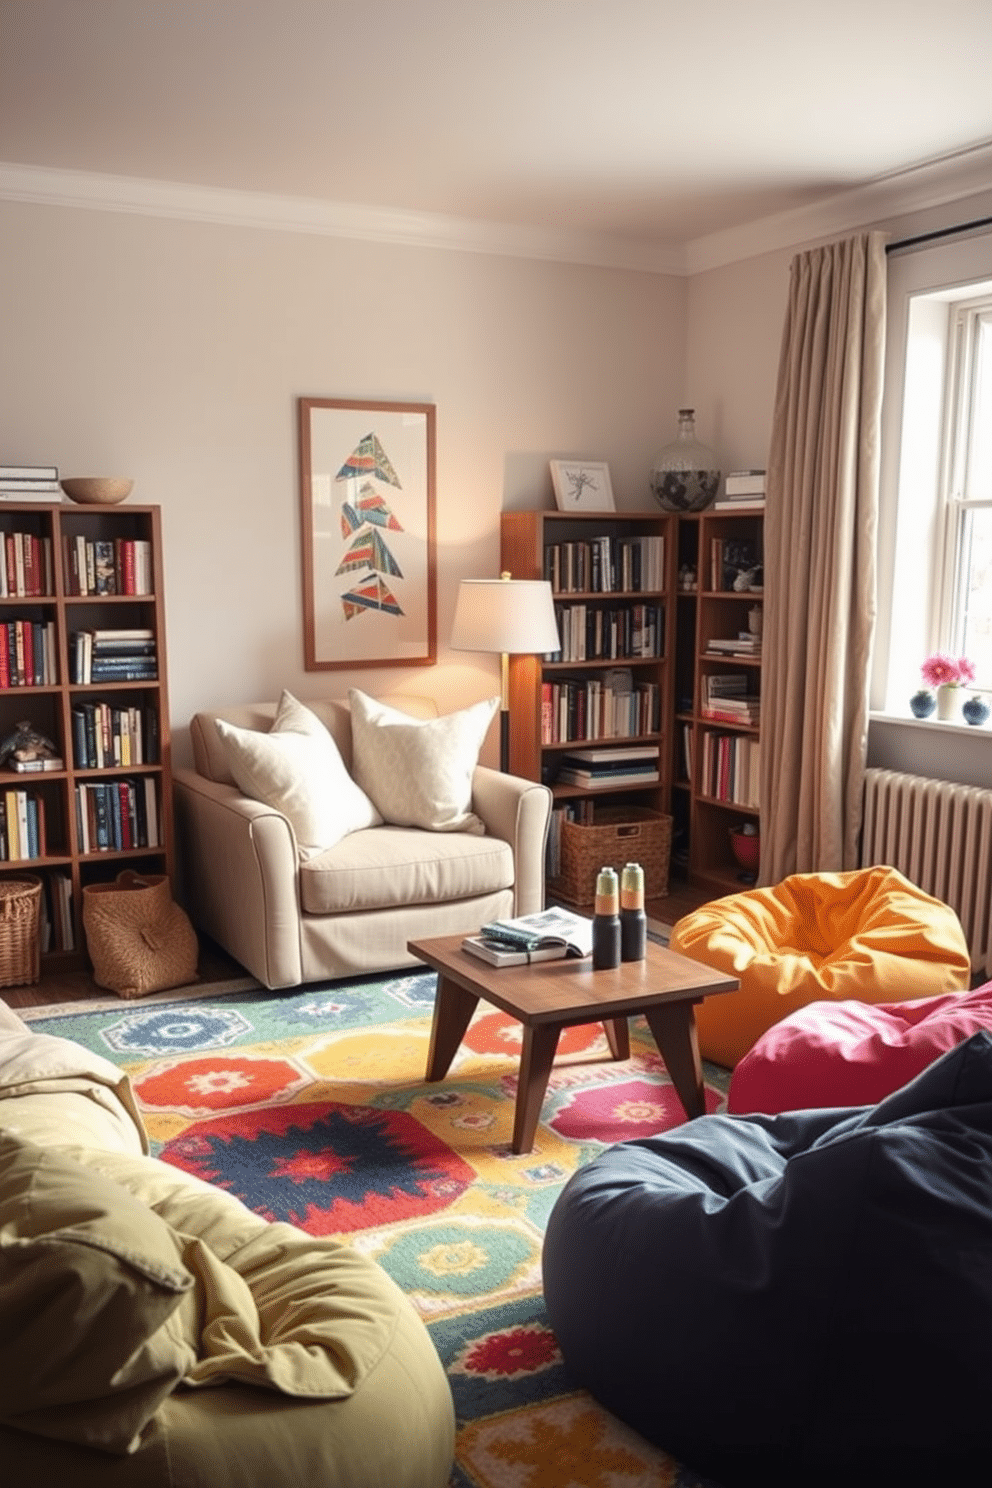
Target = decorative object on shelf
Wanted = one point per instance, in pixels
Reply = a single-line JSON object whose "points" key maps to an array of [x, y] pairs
{"points": [[687, 578], [505, 616], [685, 475], [26, 744], [976, 709], [922, 703], [582, 485], [947, 674], [745, 844], [367, 492], [755, 620], [96, 490]]}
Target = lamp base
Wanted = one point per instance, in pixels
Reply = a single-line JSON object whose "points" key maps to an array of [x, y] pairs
{"points": [[504, 740]]}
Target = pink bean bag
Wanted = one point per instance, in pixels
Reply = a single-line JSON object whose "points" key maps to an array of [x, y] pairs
{"points": [[852, 1053]]}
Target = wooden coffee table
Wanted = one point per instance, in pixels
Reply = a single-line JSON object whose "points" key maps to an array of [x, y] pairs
{"points": [[548, 996]]}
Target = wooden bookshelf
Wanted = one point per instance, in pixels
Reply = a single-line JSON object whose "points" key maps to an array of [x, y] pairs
{"points": [[127, 797], [612, 577], [715, 760]]}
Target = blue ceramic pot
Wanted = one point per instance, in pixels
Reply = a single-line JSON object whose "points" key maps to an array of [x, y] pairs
{"points": [[922, 703], [976, 710]]}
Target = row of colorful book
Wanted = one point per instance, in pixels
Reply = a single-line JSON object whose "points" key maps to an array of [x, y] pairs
{"points": [[120, 565], [28, 653], [26, 571], [607, 565], [108, 736], [117, 815], [594, 632], [596, 708]]}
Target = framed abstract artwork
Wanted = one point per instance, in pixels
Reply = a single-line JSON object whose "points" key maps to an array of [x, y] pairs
{"points": [[367, 496], [582, 485]]}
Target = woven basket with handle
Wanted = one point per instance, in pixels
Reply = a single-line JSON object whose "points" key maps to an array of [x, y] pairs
{"points": [[138, 938]]}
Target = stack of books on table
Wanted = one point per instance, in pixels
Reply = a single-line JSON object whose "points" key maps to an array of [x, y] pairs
{"points": [[30, 483], [726, 699], [599, 768], [742, 488], [550, 935]]}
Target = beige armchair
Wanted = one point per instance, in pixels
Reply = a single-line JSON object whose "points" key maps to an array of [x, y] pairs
{"points": [[289, 918]]}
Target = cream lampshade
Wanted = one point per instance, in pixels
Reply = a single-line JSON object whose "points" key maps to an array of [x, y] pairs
{"points": [[510, 617]]}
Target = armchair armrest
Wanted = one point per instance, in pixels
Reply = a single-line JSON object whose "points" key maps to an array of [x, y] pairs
{"points": [[518, 811], [241, 871]]}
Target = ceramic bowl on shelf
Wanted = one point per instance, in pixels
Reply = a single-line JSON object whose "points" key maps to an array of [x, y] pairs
{"points": [[746, 847], [96, 490]]}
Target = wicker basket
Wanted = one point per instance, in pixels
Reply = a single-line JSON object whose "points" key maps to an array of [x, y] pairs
{"points": [[625, 834], [20, 943]]}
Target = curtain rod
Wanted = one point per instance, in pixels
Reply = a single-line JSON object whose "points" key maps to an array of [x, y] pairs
{"points": [[941, 232]]}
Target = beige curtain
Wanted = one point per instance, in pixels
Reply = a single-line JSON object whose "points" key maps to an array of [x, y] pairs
{"points": [[820, 536]]}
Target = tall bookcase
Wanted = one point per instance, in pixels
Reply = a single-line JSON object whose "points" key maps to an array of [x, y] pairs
{"points": [[69, 571], [612, 576], [717, 688]]}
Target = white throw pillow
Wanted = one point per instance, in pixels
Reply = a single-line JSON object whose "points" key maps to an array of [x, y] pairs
{"points": [[419, 771], [297, 769]]}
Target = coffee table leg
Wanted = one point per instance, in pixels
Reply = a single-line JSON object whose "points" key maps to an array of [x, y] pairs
{"points": [[618, 1037], [536, 1059], [453, 1009], [674, 1029]]}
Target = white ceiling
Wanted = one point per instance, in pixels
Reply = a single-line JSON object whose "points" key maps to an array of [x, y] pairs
{"points": [[638, 121]]}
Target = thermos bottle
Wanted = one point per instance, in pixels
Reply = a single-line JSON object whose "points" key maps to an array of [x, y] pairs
{"points": [[606, 921], [633, 920]]}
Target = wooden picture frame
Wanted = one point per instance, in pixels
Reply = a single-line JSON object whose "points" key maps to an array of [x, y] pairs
{"points": [[367, 498], [582, 485]]}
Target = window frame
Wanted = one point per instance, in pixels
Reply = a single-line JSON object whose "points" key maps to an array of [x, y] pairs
{"points": [[969, 320]]}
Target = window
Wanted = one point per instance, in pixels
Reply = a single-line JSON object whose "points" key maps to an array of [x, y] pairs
{"points": [[935, 515], [964, 582]]}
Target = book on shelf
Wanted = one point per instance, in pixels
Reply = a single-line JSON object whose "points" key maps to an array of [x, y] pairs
{"points": [[35, 766], [740, 503], [30, 473], [608, 781], [744, 483], [550, 935]]}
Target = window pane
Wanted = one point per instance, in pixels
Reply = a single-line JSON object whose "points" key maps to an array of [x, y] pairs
{"points": [[976, 591], [980, 455]]}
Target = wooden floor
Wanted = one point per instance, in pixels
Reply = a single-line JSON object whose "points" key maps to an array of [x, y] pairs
{"points": [[216, 966]]}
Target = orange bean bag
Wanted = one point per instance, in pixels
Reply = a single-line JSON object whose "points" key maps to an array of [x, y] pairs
{"points": [[869, 934]]}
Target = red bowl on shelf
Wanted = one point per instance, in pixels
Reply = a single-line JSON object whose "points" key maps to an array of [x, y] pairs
{"points": [[746, 848]]}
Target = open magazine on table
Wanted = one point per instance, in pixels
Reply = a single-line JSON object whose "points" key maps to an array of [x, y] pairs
{"points": [[550, 935]]}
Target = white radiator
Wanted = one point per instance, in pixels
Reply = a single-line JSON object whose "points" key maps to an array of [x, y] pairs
{"points": [[940, 837]]}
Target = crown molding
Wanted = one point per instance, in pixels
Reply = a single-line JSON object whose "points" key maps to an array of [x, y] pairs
{"points": [[934, 184], [877, 204], [43, 186]]}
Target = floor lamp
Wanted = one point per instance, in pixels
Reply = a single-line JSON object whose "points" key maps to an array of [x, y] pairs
{"points": [[510, 617]]}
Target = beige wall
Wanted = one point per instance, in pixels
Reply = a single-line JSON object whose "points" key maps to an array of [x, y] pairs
{"points": [[173, 352]]}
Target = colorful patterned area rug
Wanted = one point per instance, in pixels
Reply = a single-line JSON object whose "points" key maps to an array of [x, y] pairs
{"points": [[312, 1108]]}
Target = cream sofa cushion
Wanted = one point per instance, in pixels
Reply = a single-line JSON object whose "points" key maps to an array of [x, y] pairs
{"points": [[419, 773], [397, 866], [297, 769], [91, 1281]]}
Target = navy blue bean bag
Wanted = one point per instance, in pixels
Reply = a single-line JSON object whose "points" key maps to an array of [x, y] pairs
{"points": [[794, 1301]]}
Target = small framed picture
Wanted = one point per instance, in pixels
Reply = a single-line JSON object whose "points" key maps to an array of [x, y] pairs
{"points": [[582, 485]]}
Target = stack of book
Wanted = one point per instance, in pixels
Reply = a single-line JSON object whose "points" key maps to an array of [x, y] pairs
{"points": [[550, 935], [744, 643], [29, 483], [742, 488], [599, 769], [726, 698], [114, 656], [105, 736]]}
